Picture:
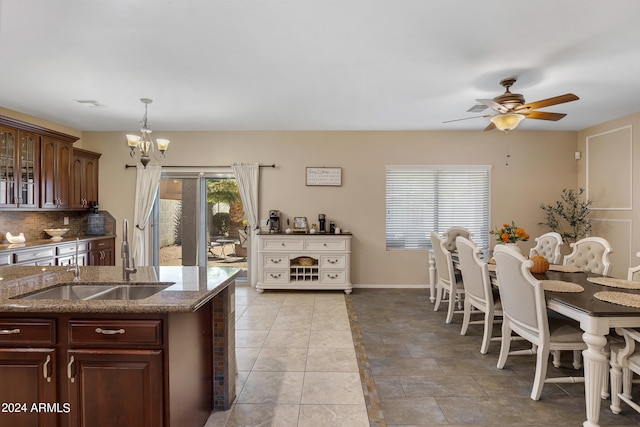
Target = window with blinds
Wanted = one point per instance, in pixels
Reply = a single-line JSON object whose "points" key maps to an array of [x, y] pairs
{"points": [[421, 199]]}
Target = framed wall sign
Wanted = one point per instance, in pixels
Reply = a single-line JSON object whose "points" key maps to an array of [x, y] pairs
{"points": [[324, 176]]}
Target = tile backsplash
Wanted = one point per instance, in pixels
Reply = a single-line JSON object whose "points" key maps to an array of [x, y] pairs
{"points": [[33, 223]]}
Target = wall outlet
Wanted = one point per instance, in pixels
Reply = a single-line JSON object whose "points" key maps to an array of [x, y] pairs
{"points": [[66, 220]]}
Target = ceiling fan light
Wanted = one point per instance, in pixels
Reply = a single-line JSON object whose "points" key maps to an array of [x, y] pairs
{"points": [[507, 122]]}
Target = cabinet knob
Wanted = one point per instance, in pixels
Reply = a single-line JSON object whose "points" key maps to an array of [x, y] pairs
{"points": [[9, 331], [275, 276]]}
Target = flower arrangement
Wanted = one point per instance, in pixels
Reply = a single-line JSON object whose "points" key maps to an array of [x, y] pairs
{"points": [[510, 233]]}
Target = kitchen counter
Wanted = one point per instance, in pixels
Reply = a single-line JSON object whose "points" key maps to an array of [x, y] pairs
{"points": [[49, 242], [190, 288], [173, 353]]}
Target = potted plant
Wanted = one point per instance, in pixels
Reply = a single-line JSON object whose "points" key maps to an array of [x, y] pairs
{"points": [[568, 216]]}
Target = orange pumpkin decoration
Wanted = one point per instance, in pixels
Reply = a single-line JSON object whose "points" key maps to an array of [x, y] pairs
{"points": [[540, 263]]}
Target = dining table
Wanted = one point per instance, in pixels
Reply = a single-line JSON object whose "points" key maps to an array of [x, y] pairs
{"points": [[596, 318]]}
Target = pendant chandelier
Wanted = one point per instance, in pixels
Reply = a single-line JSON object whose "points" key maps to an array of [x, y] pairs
{"points": [[143, 142]]}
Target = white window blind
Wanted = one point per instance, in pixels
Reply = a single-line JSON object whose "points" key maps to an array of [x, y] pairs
{"points": [[421, 199]]}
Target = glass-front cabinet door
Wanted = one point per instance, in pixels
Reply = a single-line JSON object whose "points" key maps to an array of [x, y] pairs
{"points": [[19, 163], [8, 159], [29, 157]]}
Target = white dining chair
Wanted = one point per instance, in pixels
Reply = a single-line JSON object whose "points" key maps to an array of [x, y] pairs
{"points": [[548, 246], [590, 254], [448, 287], [478, 291], [524, 312], [625, 362], [451, 234], [633, 273]]}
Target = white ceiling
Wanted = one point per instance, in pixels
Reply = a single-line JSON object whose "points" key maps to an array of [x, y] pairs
{"points": [[315, 65]]}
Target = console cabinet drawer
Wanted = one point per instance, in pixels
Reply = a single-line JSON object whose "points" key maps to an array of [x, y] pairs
{"points": [[27, 332], [276, 261], [282, 245], [326, 245], [105, 332], [332, 277], [276, 276], [332, 261]]}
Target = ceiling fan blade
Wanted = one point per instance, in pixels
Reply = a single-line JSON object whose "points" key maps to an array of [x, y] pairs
{"points": [[490, 127], [567, 97], [493, 105], [467, 118], [543, 115]]}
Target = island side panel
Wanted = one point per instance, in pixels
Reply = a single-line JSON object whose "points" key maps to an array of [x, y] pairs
{"points": [[224, 349], [190, 373]]}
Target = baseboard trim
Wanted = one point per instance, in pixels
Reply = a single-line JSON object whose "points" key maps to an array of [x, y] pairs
{"points": [[395, 286]]}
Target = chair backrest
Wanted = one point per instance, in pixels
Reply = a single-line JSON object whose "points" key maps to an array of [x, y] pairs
{"points": [[590, 254], [450, 237], [548, 246], [242, 237], [634, 272], [444, 263], [521, 294], [475, 272]]}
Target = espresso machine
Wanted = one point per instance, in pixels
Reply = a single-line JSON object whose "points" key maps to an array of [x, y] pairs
{"points": [[274, 222]]}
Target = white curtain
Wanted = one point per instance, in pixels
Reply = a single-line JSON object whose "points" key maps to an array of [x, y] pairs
{"points": [[147, 183], [247, 176]]}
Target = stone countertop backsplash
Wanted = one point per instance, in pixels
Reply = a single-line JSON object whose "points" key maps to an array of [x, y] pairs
{"points": [[190, 287], [33, 223]]}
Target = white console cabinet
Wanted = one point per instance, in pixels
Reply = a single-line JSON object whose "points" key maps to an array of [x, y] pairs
{"points": [[304, 261]]}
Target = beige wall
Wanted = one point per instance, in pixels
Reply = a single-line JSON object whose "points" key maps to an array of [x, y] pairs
{"points": [[541, 165], [608, 170]]}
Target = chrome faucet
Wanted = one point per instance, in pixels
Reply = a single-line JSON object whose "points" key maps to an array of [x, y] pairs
{"points": [[75, 267], [128, 263]]}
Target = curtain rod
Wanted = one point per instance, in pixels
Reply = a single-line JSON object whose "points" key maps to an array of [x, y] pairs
{"points": [[202, 166]]}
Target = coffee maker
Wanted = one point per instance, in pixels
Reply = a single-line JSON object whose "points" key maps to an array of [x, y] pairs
{"points": [[274, 222]]}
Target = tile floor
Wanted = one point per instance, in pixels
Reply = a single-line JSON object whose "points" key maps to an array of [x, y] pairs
{"points": [[296, 361], [383, 357]]}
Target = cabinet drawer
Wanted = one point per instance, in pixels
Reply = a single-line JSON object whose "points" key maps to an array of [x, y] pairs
{"points": [[276, 261], [5, 259], [332, 277], [326, 245], [283, 244], [276, 276], [70, 249], [332, 261], [101, 244], [35, 254], [104, 332], [27, 331]]}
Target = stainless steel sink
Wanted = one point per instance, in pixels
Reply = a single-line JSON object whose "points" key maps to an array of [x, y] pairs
{"points": [[98, 292]]}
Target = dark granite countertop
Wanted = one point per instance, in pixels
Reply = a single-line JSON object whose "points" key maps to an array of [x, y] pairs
{"points": [[190, 288]]}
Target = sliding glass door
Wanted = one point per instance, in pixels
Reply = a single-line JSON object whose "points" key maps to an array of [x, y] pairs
{"points": [[200, 221]]}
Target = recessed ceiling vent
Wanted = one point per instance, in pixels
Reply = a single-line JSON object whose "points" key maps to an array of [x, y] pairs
{"points": [[89, 102]]}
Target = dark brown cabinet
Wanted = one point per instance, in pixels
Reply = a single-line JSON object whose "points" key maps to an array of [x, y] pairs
{"points": [[84, 179], [102, 252], [115, 387], [109, 369], [28, 364], [55, 173]]}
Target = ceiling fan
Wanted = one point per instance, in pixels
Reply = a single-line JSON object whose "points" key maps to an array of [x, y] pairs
{"points": [[510, 108]]}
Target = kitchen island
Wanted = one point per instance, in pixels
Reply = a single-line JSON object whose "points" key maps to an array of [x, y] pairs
{"points": [[163, 360]]}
